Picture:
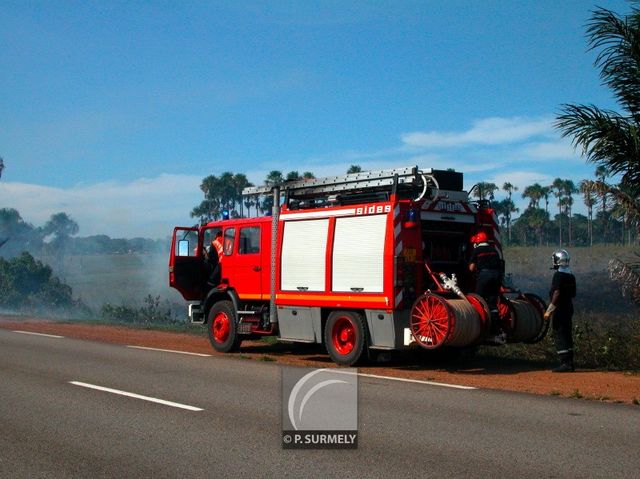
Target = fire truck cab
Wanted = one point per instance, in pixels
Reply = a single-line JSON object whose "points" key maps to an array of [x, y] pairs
{"points": [[362, 262]]}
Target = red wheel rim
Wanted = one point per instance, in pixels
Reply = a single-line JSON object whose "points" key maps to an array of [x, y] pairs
{"points": [[344, 335], [430, 321], [221, 326]]}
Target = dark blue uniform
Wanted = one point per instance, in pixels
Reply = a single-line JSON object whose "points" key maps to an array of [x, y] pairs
{"points": [[565, 284], [488, 277]]}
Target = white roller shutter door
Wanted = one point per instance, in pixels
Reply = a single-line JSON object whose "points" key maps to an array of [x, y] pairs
{"points": [[304, 248], [358, 254]]}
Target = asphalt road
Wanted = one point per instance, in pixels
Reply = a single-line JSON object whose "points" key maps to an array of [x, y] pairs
{"points": [[52, 428]]}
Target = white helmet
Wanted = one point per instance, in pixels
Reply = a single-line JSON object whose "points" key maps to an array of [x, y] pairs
{"points": [[560, 258]]}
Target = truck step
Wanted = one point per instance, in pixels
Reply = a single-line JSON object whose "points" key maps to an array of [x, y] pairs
{"points": [[196, 315], [244, 328]]}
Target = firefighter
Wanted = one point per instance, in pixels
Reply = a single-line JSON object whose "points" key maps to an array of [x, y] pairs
{"points": [[213, 257], [486, 263], [216, 245], [561, 294]]}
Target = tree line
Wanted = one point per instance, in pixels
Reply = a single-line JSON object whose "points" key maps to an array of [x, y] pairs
{"points": [[56, 238], [549, 218], [223, 194]]}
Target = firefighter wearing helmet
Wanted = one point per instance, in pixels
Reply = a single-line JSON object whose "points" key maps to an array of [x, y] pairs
{"points": [[487, 264], [561, 294]]}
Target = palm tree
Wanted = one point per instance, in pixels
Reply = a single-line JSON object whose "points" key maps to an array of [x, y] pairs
{"points": [[209, 208], [531, 222], [509, 188], [503, 210], [534, 193], [602, 173], [607, 138], [569, 190], [589, 200], [354, 169], [249, 202], [227, 191], [510, 207], [273, 178], [546, 192], [240, 182], [557, 187], [484, 190]]}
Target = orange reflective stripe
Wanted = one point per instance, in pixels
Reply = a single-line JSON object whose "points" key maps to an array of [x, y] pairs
{"points": [[324, 297], [218, 246], [250, 296]]}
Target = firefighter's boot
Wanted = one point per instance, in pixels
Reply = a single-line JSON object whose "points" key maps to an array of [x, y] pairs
{"points": [[496, 335], [566, 363]]}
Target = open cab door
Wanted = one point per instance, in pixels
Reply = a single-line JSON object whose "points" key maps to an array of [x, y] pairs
{"points": [[186, 264]]}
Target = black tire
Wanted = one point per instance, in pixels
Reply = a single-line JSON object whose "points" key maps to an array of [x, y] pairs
{"points": [[541, 306], [345, 337], [222, 327]]}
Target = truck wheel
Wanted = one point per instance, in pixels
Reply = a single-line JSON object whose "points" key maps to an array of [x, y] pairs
{"points": [[222, 327], [345, 337]]}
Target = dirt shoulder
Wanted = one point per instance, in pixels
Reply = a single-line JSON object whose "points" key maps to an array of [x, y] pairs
{"points": [[482, 372]]}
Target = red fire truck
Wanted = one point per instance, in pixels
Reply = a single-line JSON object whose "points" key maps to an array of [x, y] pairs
{"points": [[364, 262]]}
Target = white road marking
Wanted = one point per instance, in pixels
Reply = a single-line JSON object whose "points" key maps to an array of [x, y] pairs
{"points": [[40, 334], [417, 381], [136, 396], [431, 383], [170, 351]]}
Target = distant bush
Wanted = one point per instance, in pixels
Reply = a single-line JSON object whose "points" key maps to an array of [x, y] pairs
{"points": [[28, 284], [153, 312]]}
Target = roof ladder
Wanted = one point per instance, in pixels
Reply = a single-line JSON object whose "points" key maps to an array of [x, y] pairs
{"points": [[408, 179]]}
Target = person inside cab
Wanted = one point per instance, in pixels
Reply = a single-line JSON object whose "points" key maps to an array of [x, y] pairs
{"points": [[213, 259]]}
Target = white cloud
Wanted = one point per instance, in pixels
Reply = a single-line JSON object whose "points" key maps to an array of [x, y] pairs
{"points": [[520, 179], [148, 207], [553, 150], [464, 165], [487, 131]]}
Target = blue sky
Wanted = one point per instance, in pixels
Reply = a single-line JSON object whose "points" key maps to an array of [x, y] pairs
{"points": [[114, 111]]}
